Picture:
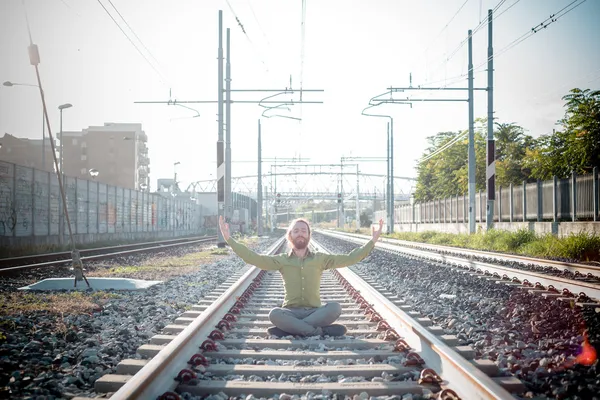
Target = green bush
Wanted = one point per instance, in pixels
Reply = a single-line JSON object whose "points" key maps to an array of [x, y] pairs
{"points": [[580, 246]]}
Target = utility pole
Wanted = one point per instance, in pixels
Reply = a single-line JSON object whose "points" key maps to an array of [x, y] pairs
{"points": [[357, 200], [490, 172], [470, 100], [228, 204], [224, 149], [342, 214], [390, 223], [472, 228], [392, 175], [259, 199], [220, 155]]}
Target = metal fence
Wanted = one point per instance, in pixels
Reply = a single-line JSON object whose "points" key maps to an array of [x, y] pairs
{"points": [[570, 199], [30, 206]]}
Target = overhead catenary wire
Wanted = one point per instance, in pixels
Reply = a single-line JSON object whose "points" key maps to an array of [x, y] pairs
{"points": [[526, 35], [441, 31], [450, 143], [474, 31], [544, 24], [134, 34], [243, 29], [161, 76], [258, 23]]}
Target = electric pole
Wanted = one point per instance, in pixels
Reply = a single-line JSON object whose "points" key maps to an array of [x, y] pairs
{"points": [[259, 199], [491, 144], [472, 227], [220, 155], [224, 206], [471, 146], [228, 204]]}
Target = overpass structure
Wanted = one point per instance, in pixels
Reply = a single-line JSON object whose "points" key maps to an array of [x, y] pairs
{"points": [[286, 187]]}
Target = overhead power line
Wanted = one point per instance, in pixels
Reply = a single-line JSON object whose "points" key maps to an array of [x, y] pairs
{"points": [[247, 36], [474, 31], [134, 34], [161, 76], [526, 35], [257, 22], [452, 142]]}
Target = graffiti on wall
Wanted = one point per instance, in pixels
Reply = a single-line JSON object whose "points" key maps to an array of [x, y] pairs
{"points": [[29, 205], [8, 214]]}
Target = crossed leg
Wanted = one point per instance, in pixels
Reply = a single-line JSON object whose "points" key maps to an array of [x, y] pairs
{"points": [[305, 322]]}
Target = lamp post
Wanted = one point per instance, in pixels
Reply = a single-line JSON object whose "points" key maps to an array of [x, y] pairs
{"points": [[61, 108], [390, 171], [93, 173], [60, 167], [11, 84], [175, 164]]}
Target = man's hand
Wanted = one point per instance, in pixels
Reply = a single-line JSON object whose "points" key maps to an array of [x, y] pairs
{"points": [[225, 228], [377, 233]]}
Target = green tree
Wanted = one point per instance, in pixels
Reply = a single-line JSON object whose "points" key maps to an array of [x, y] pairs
{"points": [[574, 148], [512, 145], [443, 170]]}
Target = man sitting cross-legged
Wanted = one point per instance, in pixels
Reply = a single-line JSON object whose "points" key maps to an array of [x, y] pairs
{"points": [[301, 269]]}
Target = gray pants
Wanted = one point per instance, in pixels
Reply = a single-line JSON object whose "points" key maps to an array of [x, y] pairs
{"points": [[305, 321]]}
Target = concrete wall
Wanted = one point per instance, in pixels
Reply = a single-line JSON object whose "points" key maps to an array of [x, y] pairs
{"points": [[558, 228]]}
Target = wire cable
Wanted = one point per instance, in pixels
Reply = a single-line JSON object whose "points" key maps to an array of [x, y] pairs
{"points": [[260, 57], [483, 23], [134, 34], [450, 143], [544, 24], [162, 78], [258, 23]]}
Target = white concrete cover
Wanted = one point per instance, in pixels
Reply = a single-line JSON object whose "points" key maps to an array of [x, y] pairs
{"points": [[95, 284]]}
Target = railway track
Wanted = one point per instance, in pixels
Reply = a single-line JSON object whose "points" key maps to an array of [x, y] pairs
{"points": [[582, 286], [221, 348], [59, 258]]}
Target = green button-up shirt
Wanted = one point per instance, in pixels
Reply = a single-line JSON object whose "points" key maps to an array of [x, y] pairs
{"points": [[301, 276]]}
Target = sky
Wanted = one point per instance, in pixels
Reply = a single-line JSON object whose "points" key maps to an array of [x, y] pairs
{"points": [[353, 50]]}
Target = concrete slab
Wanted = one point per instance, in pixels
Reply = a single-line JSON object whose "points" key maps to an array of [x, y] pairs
{"points": [[95, 284]]}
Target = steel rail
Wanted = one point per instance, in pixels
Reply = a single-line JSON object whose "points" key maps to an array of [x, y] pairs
{"points": [[157, 376], [67, 254], [460, 375], [154, 378], [572, 267], [575, 287], [109, 255]]}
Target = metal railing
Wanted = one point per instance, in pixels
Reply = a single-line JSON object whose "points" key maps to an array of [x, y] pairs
{"points": [[575, 198]]}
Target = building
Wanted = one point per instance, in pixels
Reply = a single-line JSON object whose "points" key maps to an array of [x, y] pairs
{"points": [[118, 152], [26, 152]]}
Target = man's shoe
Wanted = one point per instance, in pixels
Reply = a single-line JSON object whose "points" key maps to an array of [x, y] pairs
{"points": [[334, 330], [275, 331]]}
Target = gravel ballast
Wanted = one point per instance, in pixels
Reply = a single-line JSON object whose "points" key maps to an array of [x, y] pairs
{"points": [[50, 355], [534, 338]]}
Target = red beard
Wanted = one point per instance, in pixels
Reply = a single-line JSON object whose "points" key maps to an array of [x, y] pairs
{"points": [[300, 243]]}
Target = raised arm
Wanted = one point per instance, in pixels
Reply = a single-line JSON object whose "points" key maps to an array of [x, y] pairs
{"points": [[356, 255], [249, 256], [344, 260]]}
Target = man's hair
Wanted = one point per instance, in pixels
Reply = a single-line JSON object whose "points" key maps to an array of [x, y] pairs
{"points": [[288, 235]]}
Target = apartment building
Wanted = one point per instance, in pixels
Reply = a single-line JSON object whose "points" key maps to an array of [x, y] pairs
{"points": [[117, 151]]}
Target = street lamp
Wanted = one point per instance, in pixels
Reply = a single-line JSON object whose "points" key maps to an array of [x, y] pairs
{"points": [[11, 84], [60, 207], [61, 108], [390, 168], [175, 175], [93, 173]]}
